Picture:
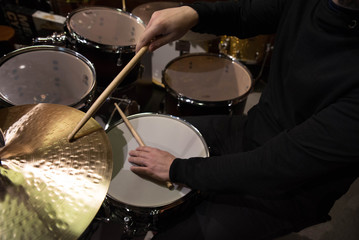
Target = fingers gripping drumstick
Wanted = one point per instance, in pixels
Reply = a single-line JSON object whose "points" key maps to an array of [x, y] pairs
{"points": [[101, 99], [137, 137]]}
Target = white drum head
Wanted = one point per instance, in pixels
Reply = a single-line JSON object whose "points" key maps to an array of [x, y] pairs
{"points": [[165, 54], [45, 75], [106, 26], [207, 77], [161, 131]]}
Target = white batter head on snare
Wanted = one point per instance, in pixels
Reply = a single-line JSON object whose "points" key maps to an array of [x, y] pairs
{"points": [[162, 131]]}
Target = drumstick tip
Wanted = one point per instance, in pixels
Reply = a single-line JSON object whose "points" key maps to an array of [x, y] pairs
{"points": [[170, 185]]}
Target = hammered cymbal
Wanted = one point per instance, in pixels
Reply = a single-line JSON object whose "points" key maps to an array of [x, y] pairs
{"points": [[145, 11], [50, 188]]}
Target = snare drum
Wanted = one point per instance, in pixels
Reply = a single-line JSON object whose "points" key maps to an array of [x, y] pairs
{"points": [[140, 203], [107, 37], [205, 83], [46, 74]]}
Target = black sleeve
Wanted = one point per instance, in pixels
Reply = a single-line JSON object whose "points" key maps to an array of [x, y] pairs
{"points": [[324, 146], [243, 18]]}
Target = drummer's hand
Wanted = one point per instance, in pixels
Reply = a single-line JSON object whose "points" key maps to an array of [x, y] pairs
{"points": [[166, 26], [151, 162]]}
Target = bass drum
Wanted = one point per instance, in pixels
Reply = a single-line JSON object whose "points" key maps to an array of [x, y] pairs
{"points": [[107, 37], [142, 204], [205, 83], [46, 74]]}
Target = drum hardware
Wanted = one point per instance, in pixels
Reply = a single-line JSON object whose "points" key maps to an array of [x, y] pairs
{"points": [[50, 188], [107, 116], [129, 230], [61, 39], [108, 213], [269, 48], [57, 39], [182, 101], [183, 47], [119, 60]]}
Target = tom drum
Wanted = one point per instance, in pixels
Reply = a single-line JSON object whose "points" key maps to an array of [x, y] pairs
{"points": [[205, 83], [46, 74], [107, 37], [139, 203]]}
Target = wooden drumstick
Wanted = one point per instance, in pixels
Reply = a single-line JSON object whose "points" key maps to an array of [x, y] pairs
{"points": [[129, 126], [110, 88], [137, 137], [124, 5]]}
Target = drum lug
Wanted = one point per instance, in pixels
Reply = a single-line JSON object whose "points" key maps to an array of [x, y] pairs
{"points": [[55, 39], [127, 229], [155, 216], [179, 100], [154, 212], [230, 107], [106, 217], [119, 60]]}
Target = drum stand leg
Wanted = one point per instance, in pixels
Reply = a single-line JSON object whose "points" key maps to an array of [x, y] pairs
{"points": [[128, 111], [268, 49]]}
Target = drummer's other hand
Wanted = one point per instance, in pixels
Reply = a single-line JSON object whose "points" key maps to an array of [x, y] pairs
{"points": [[166, 26], [151, 162]]}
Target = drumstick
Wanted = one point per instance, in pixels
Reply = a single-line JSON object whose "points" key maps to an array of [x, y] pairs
{"points": [[137, 137], [110, 88], [129, 126], [123, 5]]}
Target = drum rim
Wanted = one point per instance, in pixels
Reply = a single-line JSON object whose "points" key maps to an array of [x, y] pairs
{"points": [[196, 102], [77, 38], [191, 193], [55, 49]]}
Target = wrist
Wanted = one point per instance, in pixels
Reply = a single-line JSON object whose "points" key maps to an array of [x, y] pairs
{"points": [[191, 15]]}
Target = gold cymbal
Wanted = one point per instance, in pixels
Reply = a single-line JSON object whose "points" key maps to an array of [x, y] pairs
{"points": [[50, 188], [145, 11]]}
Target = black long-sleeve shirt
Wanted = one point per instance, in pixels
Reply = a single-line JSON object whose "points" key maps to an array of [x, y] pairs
{"points": [[306, 124]]}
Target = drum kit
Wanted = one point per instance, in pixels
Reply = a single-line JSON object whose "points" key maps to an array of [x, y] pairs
{"points": [[60, 168]]}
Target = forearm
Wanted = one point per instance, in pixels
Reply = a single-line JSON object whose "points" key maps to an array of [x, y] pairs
{"points": [[317, 149]]}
